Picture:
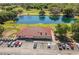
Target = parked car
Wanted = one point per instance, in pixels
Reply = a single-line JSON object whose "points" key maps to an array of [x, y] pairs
{"points": [[16, 43], [63, 46], [72, 46], [67, 46], [12, 44], [20, 44], [77, 44], [9, 44], [59, 46], [35, 45], [49, 45], [1, 42]]}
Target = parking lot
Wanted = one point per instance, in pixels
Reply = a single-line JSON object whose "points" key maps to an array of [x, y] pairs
{"points": [[27, 49]]}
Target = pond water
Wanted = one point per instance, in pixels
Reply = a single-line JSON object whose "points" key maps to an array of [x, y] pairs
{"points": [[43, 20]]}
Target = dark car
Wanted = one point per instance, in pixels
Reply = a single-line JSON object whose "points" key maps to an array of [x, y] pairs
{"points": [[35, 45], [59, 46]]}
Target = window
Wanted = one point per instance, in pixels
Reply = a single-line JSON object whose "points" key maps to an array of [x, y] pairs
{"points": [[19, 36], [45, 33], [40, 33]]}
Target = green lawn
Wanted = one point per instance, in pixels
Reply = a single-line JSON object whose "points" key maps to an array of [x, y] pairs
{"points": [[35, 12], [18, 26], [31, 11]]}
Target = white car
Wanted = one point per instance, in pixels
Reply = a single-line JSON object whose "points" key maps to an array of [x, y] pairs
{"points": [[12, 44], [1, 42], [67, 46], [77, 44], [49, 45]]}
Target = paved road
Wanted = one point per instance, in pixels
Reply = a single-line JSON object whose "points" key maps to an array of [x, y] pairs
{"points": [[27, 49]]}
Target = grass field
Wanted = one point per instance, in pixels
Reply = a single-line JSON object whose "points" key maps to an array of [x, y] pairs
{"points": [[18, 26], [34, 12]]}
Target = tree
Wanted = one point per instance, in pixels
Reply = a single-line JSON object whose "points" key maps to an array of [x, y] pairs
{"points": [[55, 11], [1, 30], [75, 31], [5, 16], [18, 10], [76, 10], [42, 12], [62, 31], [68, 12]]}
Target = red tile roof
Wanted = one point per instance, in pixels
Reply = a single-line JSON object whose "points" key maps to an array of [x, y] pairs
{"points": [[30, 32]]}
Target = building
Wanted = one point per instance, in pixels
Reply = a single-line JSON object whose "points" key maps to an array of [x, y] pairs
{"points": [[36, 33]]}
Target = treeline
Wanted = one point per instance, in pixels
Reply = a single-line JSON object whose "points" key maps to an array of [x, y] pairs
{"points": [[5, 16], [66, 32], [10, 11]]}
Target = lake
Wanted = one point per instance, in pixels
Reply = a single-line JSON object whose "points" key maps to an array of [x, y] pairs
{"points": [[43, 20]]}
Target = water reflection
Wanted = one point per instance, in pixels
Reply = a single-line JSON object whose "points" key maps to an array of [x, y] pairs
{"points": [[42, 18], [68, 19], [55, 18], [69, 16], [16, 19]]}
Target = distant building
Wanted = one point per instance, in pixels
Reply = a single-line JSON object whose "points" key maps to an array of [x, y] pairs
{"points": [[36, 33]]}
